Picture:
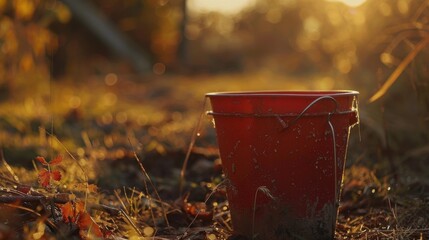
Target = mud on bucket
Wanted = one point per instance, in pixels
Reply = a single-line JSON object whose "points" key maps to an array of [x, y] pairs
{"points": [[283, 156]]}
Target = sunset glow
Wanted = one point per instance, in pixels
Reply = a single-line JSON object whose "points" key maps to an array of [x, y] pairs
{"points": [[351, 3], [224, 6]]}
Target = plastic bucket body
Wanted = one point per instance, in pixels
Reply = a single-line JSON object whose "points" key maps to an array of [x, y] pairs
{"points": [[283, 156]]}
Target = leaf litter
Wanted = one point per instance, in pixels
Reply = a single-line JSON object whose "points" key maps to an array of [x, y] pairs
{"points": [[75, 196]]}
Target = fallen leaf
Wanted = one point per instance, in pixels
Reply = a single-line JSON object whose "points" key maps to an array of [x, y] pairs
{"points": [[68, 212], [199, 210], [88, 228]]}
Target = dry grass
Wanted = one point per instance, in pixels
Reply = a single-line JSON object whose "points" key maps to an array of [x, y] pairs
{"points": [[133, 148]]}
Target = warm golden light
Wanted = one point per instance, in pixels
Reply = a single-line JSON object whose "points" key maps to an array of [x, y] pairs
{"points": [[351, 3], [223, 6]]}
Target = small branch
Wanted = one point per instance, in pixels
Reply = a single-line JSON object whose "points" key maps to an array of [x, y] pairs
{"points": [[60, 199], [164, 213], [47, 221]]}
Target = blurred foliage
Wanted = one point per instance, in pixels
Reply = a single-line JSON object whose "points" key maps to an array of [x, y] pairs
{"points": [[25, 38], [359, 48], [300, 36], [151, 23]]}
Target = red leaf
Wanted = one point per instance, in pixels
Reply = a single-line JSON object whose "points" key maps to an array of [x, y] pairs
{"points": [[24, 188], [199, 210], [44, 177], [69, 213], [85, 222], [42, 160], [56, 160], [56, 175]]}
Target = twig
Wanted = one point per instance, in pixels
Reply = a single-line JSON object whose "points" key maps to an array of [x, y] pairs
{"points": [[108, 209], [199, 211], [149, 197], [3, 159], [48, 222], [120, 201], [30, 198], [150, 182], [5, 200], [78, 164], [130, 221], [4, 178], [398, 71], [191, 146]]}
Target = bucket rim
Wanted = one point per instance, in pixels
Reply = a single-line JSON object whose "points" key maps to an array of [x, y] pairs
{"points": [[283, 93]]}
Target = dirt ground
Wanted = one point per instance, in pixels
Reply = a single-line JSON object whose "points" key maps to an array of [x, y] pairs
{"points": [[123, 141]]}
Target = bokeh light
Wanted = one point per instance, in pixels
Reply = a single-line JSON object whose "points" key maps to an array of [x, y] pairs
{"points": [[224, 6], [352, 3]]}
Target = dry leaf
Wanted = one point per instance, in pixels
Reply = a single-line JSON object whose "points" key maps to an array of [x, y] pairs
{"points": [[88, 228], [199, 210], [56, 175], [69, 213], [56, 160], [44, 177], [42, 160]]}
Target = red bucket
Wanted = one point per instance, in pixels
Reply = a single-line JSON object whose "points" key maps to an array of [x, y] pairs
{"points": [[283, 156]]}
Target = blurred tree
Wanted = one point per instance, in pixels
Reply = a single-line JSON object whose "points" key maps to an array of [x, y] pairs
{"points": [[154, 25], [25, 38], [91, 18]]}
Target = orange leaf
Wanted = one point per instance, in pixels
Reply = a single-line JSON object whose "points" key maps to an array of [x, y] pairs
{"points": [[85, 222], [80, 207], [69, 213], [199, 210], [56, 175], [44, 177], [56, 160], [92, 188], [42, 160]]}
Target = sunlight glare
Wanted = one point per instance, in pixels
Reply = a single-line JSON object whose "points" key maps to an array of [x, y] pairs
{"points": [[222, 6], [351, 3]]}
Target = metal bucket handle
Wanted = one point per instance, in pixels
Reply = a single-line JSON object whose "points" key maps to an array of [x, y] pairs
{"points": [[331, 126]]}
